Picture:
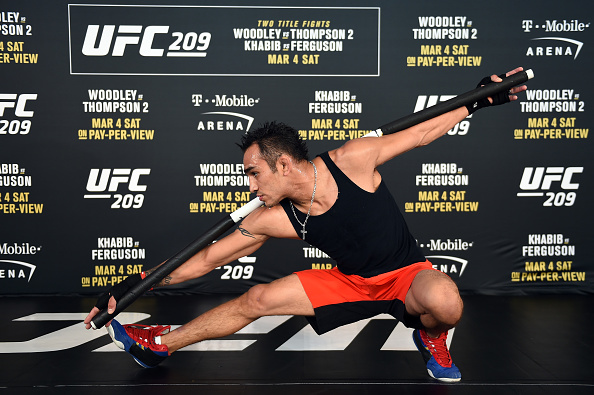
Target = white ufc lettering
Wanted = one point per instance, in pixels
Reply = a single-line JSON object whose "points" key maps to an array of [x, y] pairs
{"points": [[305, 340], [543, 178], [9, 100], [111, 180], [424, 101], [131, 37]]}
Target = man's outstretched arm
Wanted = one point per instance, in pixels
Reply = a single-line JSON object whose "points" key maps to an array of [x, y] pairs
{"points": [[429, 131], [376, 151], [237, 244]]}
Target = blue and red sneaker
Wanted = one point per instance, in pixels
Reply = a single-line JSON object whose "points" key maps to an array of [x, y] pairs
{"points": [[139, 341], [437, 356]]}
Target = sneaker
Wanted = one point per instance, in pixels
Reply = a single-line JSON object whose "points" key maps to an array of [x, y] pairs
{"points": [[437, 356], [139, 341]]}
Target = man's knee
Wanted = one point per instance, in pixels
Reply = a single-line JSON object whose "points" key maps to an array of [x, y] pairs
{"points": [[447, 303], [450, 308], [255, 301], [440, 297]]}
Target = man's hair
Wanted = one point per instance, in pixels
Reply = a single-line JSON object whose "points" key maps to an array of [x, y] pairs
{"points": [[275, 139]]}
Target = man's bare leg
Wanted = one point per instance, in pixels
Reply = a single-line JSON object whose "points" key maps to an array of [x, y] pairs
{"points": [[284, 296]]}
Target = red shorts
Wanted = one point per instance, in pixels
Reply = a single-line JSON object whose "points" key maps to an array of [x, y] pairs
{"points": [[340, 299]]}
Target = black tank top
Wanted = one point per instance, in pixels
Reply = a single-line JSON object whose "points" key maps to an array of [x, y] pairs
{"points": [[363, 232]]}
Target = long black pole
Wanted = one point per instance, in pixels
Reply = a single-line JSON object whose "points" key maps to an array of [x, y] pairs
{"points": [[455, 102], [227, 223]]}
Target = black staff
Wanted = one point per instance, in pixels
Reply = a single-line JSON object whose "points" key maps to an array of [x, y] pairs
{"points": [[456, 102]]}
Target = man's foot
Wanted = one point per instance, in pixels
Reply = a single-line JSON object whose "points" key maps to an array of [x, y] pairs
{"points": [[139, 341], [437, 356]]}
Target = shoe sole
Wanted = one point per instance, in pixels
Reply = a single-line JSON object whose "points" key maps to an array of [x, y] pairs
{"points": [[141, 364], [444, 379], [111, 333]]}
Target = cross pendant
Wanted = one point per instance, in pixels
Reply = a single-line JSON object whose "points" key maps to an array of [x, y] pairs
{"points": [[303, 231]]}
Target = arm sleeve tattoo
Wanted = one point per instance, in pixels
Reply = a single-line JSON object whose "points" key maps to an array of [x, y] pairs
{"points": [[244, 231]]}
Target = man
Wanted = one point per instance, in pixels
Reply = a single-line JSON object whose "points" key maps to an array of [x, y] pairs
{"points": [[339, 203]]}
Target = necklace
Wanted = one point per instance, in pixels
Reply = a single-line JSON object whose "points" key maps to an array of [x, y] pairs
{"points": [[313, 195]]}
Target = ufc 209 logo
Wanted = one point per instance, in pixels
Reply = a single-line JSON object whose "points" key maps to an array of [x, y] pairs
{"points": [[426, 101], [113, 180], [538, 181], [11, 122], [182, 44], [245, 271]]}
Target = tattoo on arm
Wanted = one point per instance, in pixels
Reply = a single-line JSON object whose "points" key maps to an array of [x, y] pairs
{"points": [[163, 283], [244, 231]]}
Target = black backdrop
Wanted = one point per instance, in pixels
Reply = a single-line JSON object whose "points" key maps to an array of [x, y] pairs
{"points": [[118, 124]]}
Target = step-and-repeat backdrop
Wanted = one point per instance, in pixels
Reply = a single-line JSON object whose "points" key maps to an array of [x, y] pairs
{"points": [[118, 124]]}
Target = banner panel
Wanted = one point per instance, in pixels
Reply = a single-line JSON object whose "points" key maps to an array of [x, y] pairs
{"points": [[118, 125]]}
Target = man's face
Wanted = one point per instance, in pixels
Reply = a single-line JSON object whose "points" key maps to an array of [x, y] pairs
{"points": [[263, 182]]}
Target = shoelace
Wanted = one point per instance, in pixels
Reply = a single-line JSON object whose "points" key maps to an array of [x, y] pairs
{"points": [[145, 334], [439, 349]]}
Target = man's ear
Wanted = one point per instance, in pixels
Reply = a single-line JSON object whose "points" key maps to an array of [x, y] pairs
{"points": [[284, 164]]}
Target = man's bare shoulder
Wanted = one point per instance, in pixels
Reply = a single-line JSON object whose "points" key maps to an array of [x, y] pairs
{"points": [[270, 222], [357, 160], [356, 154]]}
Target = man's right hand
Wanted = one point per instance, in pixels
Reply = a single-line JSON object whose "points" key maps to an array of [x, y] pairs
{"points": [[111, 306], [108, 298]]}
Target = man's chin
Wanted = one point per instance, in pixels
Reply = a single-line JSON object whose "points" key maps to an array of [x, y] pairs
{"points": [[269, 203]]}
